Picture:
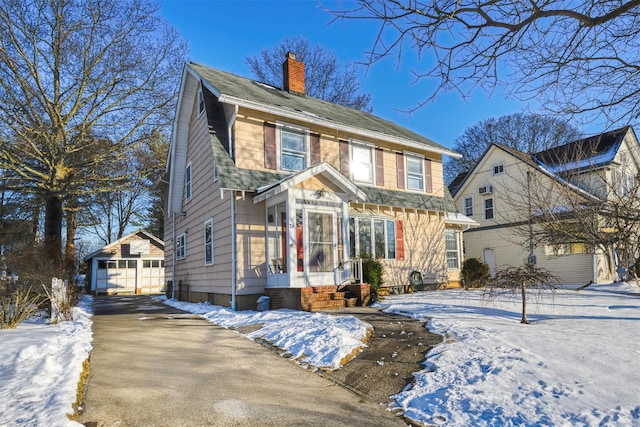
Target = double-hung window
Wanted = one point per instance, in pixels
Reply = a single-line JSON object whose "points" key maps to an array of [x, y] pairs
{"points": [[467, 205], [181, 246], [187, 182], [451, 243], [208, 242], [200, 102], [488, 208], [293, 149], [415, 172], [362, 163]]}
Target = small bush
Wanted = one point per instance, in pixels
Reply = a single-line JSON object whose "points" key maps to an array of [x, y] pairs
{"points": [[372, 273], [18, 301], [475, 273]]}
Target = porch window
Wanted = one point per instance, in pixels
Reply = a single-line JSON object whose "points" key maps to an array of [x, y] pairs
{"points": [[277, 238], [293, 150], [362, 164], [376, 237], [451, 243], [320, 242]]}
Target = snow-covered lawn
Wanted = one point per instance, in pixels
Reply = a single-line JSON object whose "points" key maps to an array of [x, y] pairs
{"points": [[576, 364], [40, 366]]}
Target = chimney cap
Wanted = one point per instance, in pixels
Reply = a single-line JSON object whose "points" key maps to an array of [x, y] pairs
{"points": [[291, 55]]}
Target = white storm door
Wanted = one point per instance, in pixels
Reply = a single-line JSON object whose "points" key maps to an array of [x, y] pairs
{"points": [[321, 247]]}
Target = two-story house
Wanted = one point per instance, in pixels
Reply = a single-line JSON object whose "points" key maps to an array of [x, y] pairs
{"points": [[511, 193], [273, 192]]}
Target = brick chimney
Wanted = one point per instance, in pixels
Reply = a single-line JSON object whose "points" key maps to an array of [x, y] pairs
{"points": [[293, 72]]}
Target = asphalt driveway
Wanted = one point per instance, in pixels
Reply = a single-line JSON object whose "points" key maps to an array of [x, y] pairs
{"points": [[153, 365]]}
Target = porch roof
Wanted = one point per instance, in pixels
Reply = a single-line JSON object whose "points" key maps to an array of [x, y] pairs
{"points": [[402, 199], [325, 169]]}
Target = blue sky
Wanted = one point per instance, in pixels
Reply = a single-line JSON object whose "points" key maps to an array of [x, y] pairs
{"points": [[222, 33]]}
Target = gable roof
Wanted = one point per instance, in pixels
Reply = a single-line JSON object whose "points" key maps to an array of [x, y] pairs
{"points": [[587, 153], [241, 91], [140, 232]]}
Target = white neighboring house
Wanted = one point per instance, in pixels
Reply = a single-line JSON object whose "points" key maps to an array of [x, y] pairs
{"points": [[488, 191], [133, 264]]}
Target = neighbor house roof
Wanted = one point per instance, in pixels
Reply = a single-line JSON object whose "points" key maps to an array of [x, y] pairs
{"points": [[592, 152], [237, 90], [140, 232]]}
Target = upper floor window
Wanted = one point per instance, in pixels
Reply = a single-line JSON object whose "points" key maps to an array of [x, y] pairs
{"points": [[208, 242], [488, 208], [200, 102], [625, 182], [187, 182], [181, 246], [415, 172], [293, 149], [498, 169], [362, 162], [467, 205]]}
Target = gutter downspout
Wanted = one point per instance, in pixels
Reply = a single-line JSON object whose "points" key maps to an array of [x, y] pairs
{"points": [[173, 263], [233, 250]]}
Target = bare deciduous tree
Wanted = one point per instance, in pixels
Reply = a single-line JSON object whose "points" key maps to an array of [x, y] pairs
{"points": [[325, 77], [573, 57], [73, 73]]}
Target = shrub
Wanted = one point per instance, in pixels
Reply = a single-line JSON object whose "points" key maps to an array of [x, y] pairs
{"points": [[18, 301], [372, 273], [475, 273]]}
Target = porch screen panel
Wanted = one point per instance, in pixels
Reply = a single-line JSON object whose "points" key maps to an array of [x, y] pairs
{"points": [[277, 237], [321, 242], [364, 237], [378, 234]]}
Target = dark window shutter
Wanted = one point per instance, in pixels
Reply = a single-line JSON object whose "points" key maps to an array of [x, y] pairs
{"points": [[270, 160], [379, 167], [428, 182], [344, 157], [399, 241], [400, 166], [314, 143]]}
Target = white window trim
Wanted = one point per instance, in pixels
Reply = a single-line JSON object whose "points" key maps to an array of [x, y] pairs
{"points": [[200, 102], [182, 239], [373, 160], [206, 223], [371, 219], [407, 156], [484, 208], [296, 129], [456, 235], [464, 205], [495, 165], [188, 182]]}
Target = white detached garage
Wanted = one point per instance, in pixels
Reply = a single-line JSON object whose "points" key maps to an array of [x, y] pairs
{"points": [[132, 265]]}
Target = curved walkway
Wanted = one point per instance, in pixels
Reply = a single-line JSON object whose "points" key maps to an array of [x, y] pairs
{"points": [[153, 365]]}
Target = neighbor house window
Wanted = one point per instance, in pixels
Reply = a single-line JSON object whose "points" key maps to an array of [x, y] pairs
{"points": [[200, 102], [293, 149], [208, 242], [187, 182], [451, 243], [467, 206], [181, 246], [376, 237], [488, 208], [362, 163], [498, 169], [415, 172]]}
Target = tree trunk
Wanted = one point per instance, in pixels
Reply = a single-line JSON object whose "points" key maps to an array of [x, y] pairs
{"points": [[53, 229], [70, 248], [523, 290]]}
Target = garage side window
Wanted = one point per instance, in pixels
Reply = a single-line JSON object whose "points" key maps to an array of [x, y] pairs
{"points": [[181, 246], [208, 242]]}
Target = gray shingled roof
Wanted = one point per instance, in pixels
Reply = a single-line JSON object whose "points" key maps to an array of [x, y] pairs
{"points": [[250, 90]]}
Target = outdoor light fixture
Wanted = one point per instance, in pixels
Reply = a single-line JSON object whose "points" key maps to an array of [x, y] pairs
{"points": [[319, 193]]}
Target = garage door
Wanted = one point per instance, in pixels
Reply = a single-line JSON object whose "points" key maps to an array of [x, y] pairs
{"points": [[114, 276], [152, 276]]}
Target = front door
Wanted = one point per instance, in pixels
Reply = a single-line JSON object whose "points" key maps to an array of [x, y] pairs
{"points": [[321, 249], [489, 255]]}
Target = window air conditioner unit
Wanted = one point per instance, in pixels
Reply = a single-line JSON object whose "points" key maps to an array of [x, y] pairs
{"points": [[487, 189]]}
